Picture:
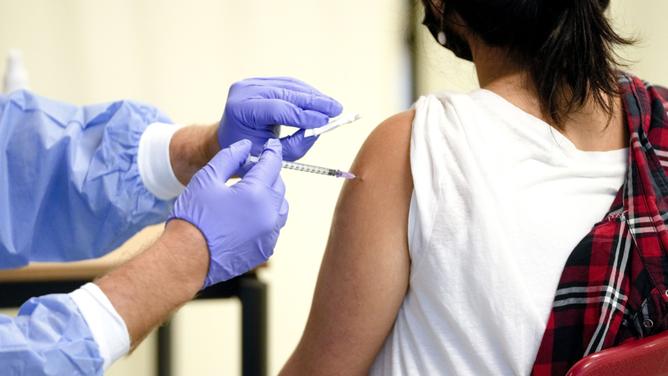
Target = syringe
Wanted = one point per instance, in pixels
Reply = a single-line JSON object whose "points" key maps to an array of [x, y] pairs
{"points": [[308, 168]]}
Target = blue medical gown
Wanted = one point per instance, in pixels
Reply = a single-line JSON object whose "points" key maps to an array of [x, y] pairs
{"points": [[70, 189], [48, 337]]}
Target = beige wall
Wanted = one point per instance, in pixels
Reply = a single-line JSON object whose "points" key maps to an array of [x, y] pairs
{"points": [[182, 56], [645, 19]]}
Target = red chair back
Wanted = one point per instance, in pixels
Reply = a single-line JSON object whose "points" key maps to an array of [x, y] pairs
{"points": [[646, 357]]}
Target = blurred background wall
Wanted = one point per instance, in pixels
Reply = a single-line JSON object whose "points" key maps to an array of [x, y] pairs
{"points": [[182, 57], [437, 69]]}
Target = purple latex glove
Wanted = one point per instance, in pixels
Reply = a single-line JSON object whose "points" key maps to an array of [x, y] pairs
{"points": [[257, 107], [241, 222]]}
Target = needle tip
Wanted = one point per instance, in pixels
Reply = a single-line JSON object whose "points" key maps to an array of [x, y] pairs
{"points": [[347, 175]]}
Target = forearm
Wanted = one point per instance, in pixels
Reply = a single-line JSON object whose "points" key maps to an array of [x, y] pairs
{"points": [[76, 334], [147, 289], [191, 148]]}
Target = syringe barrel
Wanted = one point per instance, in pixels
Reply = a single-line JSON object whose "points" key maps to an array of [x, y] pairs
{"points": [[309, 168], [301, 167]]}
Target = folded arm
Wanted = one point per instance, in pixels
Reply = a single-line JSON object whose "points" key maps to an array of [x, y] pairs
{"points": [[364, 273]]}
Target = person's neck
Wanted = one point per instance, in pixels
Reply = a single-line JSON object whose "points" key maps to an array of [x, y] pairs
{"points": [[590, 128]]}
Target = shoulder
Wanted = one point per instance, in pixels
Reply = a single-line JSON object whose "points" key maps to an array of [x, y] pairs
{"points": [[379, 198], [385, 155]]}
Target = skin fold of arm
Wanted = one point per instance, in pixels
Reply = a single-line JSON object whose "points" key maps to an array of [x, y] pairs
{"points": [[364, 273]]}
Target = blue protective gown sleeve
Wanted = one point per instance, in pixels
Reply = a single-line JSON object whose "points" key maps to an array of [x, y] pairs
{"points": [[70, 187], [48, 337]]}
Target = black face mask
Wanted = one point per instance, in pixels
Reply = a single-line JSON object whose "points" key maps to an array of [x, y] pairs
{"points": [[454, 42]]}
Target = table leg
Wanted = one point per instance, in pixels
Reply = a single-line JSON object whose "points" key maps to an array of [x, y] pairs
{"points": [[253, 296], [164, 347]]}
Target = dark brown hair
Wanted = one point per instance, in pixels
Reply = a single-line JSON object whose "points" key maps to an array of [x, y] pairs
{"points": [[567, 46]]}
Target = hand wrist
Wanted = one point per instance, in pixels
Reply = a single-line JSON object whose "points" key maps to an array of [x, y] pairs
{"points": [[188, 254], [191, 148]]}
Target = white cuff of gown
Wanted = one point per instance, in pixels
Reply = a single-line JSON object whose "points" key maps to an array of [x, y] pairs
{"points": [[153, 161], [105, 324]]}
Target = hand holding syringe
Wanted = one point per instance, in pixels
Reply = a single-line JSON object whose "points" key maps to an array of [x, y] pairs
{"points": [[333, 124]]}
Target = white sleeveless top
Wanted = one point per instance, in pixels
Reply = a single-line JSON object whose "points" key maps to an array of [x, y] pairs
{"points": [[500, 201]]}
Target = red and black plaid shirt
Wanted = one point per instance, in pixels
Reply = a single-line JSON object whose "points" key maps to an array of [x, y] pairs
{"points": [[615, 283]]}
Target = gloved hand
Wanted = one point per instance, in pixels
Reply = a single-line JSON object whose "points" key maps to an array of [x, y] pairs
{"points": [[257, 107], [241, 222]]}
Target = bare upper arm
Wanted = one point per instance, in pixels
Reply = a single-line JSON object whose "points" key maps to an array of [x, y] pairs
{"points": [[364, 273]]}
